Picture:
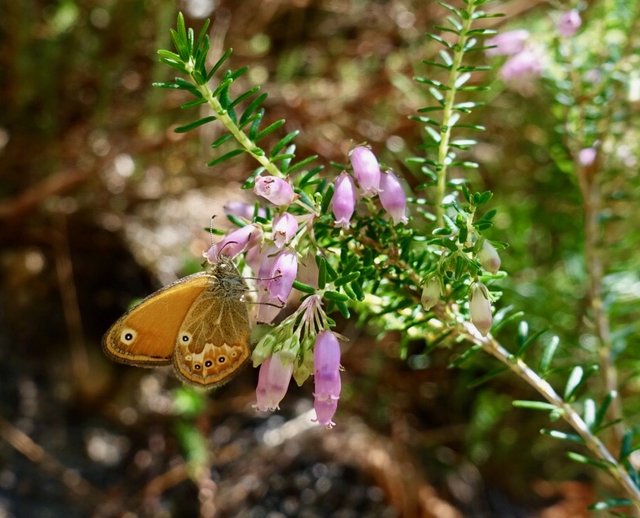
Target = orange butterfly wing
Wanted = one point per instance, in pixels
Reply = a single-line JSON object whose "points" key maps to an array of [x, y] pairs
{"points": [[146, 335]]}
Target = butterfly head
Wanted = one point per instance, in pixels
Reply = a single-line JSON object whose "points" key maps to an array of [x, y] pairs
{"points": [[229, 283]]}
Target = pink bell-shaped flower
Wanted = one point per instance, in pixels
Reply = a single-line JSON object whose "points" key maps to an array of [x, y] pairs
{"points": [[273, 381], [343, 202], [242, 209], [587, 156], [284, 227], [283, 273], [268, 307], [276, 190], [393, 198], [507, 43], [366, 169], [522, 66], [326, 365], [233, 243]]}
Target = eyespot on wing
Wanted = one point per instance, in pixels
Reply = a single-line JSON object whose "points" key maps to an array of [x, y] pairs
{"points": [[155, 323]]}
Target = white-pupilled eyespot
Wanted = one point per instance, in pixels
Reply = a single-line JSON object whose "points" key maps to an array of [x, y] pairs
{"points": [[128, 336]]}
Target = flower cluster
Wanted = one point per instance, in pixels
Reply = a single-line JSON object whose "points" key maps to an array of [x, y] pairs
{"points": [[371, 182], [273, 261], [526, 60], [301, 344], [296, 349]]}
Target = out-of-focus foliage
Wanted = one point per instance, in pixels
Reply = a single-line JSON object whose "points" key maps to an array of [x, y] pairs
{"points": [[87, 154]]}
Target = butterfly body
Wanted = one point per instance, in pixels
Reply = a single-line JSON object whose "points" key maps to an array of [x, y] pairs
{"points": [[199, 324]]}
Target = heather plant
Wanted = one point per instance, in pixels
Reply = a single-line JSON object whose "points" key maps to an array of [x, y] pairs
{"points": [[414, 249]]}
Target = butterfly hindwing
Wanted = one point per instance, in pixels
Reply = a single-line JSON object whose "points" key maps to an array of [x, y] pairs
{"points": [[214, 341]]}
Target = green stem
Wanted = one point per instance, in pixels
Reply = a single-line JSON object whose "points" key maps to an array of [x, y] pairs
{"points": [[524, 372], [589, 187], [249, 146], [466, 330], [449, 101]]}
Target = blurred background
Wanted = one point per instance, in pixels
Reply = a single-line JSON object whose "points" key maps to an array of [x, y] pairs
{"points": [[102, 203]]}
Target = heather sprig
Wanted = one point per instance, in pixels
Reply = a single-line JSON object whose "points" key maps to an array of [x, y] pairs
{"points": [[416, 257], [377, 250], [443, 128]]}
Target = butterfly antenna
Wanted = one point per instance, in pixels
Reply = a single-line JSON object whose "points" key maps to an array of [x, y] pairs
{"points": [[274, 278], [227, 244], [211, 229], [273, 305]]}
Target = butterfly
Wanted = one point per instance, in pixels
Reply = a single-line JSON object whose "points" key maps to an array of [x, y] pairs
{"points": [[199, 324]]}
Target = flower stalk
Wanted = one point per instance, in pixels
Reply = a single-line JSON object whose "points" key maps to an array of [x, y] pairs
{"points": [[240, 136], [446, 124], [521, 369], [591, 196]]}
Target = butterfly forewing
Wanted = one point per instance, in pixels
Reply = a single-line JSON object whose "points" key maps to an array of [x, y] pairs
{"points": [[146, 335]]}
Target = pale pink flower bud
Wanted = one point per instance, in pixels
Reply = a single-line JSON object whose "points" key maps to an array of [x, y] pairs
{"points": [[273, 381], [242, 209], [283, 273], [488, 257], [507, 43], [253, 257], [593, 76], [366, 169], [264, 271], [276, 190], [521, 67], [430, 293], [343, 202], [285, 227], [480, 309], [393, 198], [326, 364], [587, 156], [268, 306], [233, 243], [569, 23]]}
